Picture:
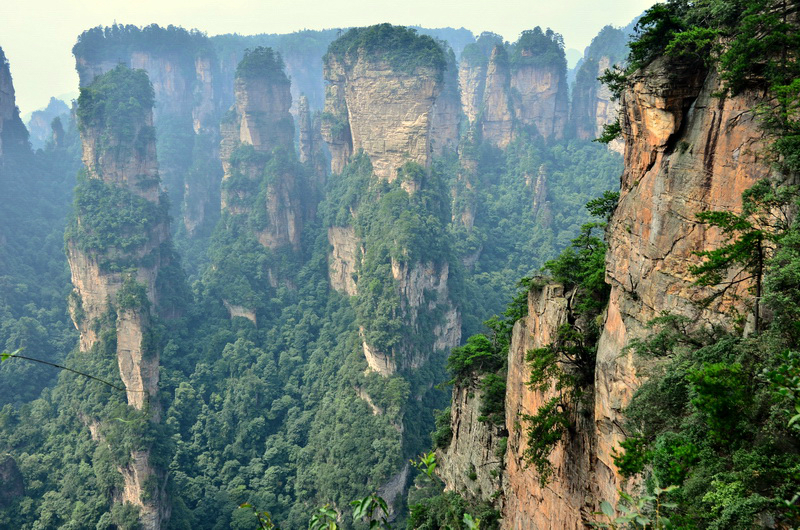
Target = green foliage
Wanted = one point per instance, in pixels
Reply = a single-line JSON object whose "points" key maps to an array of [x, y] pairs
{"points": [[479, 52], [116, 103], [719, 393], [583, 266], [604, 206], [716, 415], [132, 295], [261, 62], [545, 429], [399, 46], [611, 131], [444, 432], [538, 48], [493, 399], [118, 41], [114, 223], [750, 241], [645, 512]]}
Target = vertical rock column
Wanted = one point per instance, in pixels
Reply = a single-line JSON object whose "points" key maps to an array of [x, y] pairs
{"points": [[390, 104], [116, 248], [258, 138]]}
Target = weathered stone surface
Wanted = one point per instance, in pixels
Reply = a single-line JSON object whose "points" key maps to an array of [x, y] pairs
{"points": [[343, 258], [388, 113], [240, 311], [135, 169], [446, 113], [260, 118], [95, 295], [415, 283], [592, 106], [472, 83], [474, 448], [540, 98], [497, 121], [685, 152], [562, 502]]}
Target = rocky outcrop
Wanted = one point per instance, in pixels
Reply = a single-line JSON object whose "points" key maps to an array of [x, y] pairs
{"points": [[540, 97], [187, 85], [12, 485], [119, 150], [343, 259], [13, 134], [446, 112], [563, 502], [685, 152], [40, 122], [473, 463], [522, 86], [497, 118], [487, 462], [592, 104], [258, 138], [386, 112], [472, 85], [310, 143], [422, 288]]}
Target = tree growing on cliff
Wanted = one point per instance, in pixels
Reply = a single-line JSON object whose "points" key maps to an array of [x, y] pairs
{"points": [[750, 240]]}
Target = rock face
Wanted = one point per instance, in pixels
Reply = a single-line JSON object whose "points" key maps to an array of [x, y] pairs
{"points": [[562, 503], [394, 114], [13, 134], [446, 112], [472, 85], [343, 259], [685, 152], [475, 449], [387, 113], [540, 99], [522, 86], [39, 124], [422, 287], [257, 137], [497, 123], [104, 298]]}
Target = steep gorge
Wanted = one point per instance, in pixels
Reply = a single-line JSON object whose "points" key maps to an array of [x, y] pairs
{"points": [[686, 152]]}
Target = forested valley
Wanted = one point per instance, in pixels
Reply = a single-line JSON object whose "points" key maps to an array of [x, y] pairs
{"points": [[403, 277]]}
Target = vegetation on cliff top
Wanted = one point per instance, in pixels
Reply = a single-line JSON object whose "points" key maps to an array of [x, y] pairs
{"points": [[538, 48], [400, 46], [261, 62], [117, 41], [117, 103]]}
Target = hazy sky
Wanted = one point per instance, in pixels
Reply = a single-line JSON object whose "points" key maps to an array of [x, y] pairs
{"points": [[37, 35]]}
